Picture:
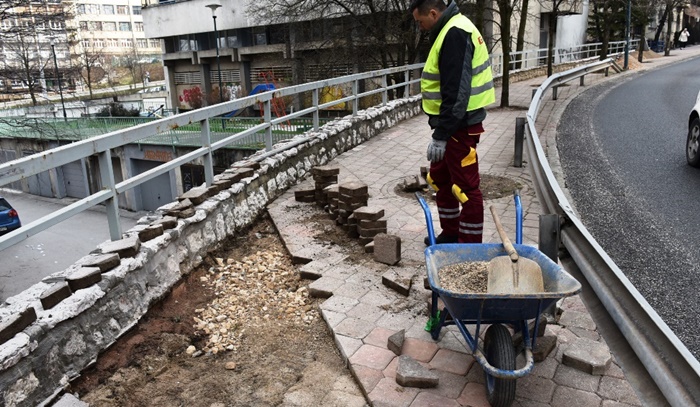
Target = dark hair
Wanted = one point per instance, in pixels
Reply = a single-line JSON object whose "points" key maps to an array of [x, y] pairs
{"points": [[424, 6]]}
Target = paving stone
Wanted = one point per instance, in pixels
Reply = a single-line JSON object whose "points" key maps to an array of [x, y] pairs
{"points": [[547, 368], [127, 247], [422, 351], [168, 222], [378, 337], [387, 249], [353, 188], [305, 195], [324, 286], [473, 395], [395, 342], [354, 328], [617, 389], [369, 246], [15, 323], [372, 356], [541, 328], [223, 184], [410, 373], [332, 318], [427, 399], [577, 319], [373, 224], [243, 171], [150, 232], [195, 195], [351, 290], [84, 277], [356, 201], [390, 370], [362, 232], [366, 377], [369, 213], [326, 171], [398, 280], [396, 322], [332, 194], [576, 379], [54, 295], [450, 384], [350, 207], [535, 388], [452, 362], [587, 356], [339, 303], [566, 396], [104, 262], [543, 347], [186, 213], [313, 270], [348, 346]]}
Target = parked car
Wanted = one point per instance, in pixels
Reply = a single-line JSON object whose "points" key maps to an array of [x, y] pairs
{"points": [[692, 145], [9, 218]]}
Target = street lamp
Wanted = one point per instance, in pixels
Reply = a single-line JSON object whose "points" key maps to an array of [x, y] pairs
{"points": [[213, 8], [628, 28], [55, 67]]}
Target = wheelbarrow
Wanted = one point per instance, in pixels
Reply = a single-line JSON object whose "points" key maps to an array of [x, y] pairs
{"points": [[497, 354]]}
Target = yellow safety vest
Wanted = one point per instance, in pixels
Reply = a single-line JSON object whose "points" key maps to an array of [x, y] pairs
{"points": [[482, 93]]}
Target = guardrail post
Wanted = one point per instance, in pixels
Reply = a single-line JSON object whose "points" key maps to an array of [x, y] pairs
{"points": [[356, 101], [268, 118], [549, 242], [581, 83], [314, 103], [534, 91], [208, 162], [519, 138], [112, 204], [607, 71], [385, 94], [554, 92]]}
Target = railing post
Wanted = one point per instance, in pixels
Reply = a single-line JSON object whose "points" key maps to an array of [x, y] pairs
{"points": [[407, 88], [519, 138], [208, 162], [268, 118], [112, 204], [356, 101], [314, 102], [385, 94]]}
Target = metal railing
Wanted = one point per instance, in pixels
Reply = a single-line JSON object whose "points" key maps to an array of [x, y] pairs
{"points": [[203, 120], [535, 58], [675, 371]]}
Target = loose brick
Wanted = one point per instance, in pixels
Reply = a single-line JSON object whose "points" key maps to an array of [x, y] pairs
{"points": [[587, 356], [398, 280], [369, 213], [83, 278], [369, 246], [104, 262], [305, 193], [362, 199], [350, 207], [195, 195], [332, 192], [150, 232], [387, 249], [14, 324], [410, 373], [127, 247], [367, 240], [543, 347], [325, 171], [54, 295], [370, 232], [186, 213], [395, 342], [373, 224], [223, 184], [168, 222], [179, 207], [353, 188]]}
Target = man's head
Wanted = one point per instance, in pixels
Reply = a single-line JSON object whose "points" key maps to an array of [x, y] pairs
{"points": [[427, 12]]}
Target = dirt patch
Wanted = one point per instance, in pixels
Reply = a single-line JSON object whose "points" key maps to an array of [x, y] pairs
{"points": [[492, 187], [169, 358]]}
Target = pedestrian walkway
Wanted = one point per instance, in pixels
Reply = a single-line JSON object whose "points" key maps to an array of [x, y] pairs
{"points": [[362, 312]]}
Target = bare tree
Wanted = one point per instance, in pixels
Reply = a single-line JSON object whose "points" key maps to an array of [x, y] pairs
{"points": [[88, 63]]}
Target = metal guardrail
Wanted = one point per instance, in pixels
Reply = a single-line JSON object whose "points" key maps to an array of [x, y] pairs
{"points": [[669, 363], [102, 145]]}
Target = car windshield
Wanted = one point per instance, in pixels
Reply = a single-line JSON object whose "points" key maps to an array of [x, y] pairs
{"points": [[4, 205]]}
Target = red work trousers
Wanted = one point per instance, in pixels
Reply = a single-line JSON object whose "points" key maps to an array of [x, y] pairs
{"points": [[456, 180]]}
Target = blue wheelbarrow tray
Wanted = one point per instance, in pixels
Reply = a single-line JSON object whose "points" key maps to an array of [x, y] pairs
{"points": [[485, 308]]}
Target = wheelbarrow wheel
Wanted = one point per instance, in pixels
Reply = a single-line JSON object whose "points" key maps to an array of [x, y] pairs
{"points": [[500, 353]]}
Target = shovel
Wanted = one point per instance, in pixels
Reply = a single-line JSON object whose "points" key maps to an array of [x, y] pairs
{"points": [[512, 274]]}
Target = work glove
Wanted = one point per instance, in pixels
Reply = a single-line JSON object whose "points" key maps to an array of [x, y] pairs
{"points": [[436, 150]]}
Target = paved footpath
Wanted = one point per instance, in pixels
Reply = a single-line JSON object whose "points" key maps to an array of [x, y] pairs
{"points": [[362, 313]]}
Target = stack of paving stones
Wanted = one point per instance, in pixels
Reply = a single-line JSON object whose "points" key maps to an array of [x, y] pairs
{"points": [[370, 223], [324, 177], [351, 196]]}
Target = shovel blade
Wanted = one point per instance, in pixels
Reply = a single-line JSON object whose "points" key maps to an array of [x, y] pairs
{"points": [[507, 277]]}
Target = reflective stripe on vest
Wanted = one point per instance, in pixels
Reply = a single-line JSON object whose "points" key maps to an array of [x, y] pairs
{"points": [[482, 90]]}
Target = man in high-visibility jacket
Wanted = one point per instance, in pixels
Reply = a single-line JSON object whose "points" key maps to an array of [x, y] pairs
{"points": [[457, 85]]}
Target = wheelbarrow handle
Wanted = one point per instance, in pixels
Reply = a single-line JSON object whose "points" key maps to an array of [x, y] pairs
{"points": [[428, 218]]}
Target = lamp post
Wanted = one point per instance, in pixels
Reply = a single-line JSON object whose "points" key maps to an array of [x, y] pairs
{"points": [[627, 35], [55, 67], [213, 8]]}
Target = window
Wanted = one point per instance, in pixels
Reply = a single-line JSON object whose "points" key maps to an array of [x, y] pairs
{"points": [[124, 10], [109, 26], [142, 43], [126, 43], [98, 43], [154, 43], [124, 26], [80, 9], [136, 10], [108, 9], [85, 44], [96, 26], [92, 9], [138, 26], [83, 25], [112, 43]]}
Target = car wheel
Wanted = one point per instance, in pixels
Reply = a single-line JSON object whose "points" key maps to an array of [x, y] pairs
{"points": [[693, 144]]}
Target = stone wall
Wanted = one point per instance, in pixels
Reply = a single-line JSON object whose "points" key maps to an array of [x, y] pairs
{"points": [[54, 346]]}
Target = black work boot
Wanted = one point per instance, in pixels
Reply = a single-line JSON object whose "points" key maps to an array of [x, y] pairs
{"points": [[441, 238]]}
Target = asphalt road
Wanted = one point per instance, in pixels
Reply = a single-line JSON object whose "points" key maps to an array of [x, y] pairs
{"points": [[622, 150], [54, 249]]}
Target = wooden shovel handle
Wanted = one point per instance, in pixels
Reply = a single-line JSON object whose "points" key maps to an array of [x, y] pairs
{"points": [[504, 237]]}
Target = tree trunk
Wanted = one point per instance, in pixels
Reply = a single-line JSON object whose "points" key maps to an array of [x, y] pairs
{"points": [[505, 11], [669, 20], [520, 41], [642, 45], [662, 22]]}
